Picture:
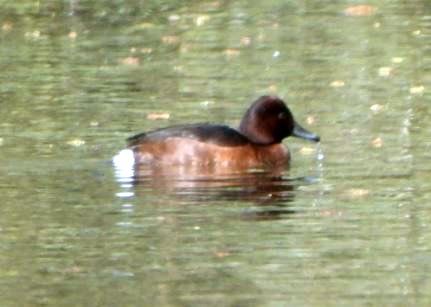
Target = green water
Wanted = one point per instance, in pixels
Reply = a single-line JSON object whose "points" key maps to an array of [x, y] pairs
{"points": [[79, 77]]}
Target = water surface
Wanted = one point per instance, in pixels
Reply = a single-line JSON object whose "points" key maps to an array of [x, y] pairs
{"points": [[80, 77]]}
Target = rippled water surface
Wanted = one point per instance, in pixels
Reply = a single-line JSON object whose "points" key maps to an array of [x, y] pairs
{"points": [[348, 224]]}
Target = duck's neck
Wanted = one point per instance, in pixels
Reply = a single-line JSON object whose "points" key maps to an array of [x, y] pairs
{"points": [[257, 137]]}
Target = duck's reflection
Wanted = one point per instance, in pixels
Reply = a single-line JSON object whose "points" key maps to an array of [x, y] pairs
{"points": [[272, 190]]}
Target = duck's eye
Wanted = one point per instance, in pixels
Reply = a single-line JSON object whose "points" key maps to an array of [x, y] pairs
{"points": [[282, 115]]}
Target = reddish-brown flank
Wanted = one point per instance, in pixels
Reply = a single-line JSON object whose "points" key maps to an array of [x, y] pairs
{"points": [[182, 151]]}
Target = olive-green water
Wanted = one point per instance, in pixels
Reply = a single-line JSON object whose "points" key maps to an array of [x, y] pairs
{"points": [[348, 224]]}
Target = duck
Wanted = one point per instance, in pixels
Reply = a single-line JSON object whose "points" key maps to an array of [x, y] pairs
{"points": [[257, 142]]}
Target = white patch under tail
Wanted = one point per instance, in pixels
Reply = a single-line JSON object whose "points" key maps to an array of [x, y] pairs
{"points": [[124, 163]]}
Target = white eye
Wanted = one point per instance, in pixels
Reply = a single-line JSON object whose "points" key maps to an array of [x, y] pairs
{"points": [[282, 115]]}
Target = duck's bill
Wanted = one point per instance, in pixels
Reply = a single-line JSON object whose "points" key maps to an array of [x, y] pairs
{"points": [[303, 133]]}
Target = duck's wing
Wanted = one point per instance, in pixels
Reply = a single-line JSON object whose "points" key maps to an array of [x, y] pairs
{"points": [[208, 133]]}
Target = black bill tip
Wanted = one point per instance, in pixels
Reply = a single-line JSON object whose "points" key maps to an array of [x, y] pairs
{"points": [[303, 133]]}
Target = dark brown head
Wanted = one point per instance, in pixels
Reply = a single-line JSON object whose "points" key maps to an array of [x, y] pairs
{"points": [[269, 121]]}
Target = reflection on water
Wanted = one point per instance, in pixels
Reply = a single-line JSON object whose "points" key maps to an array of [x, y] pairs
{"points": [[270, 189]]}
